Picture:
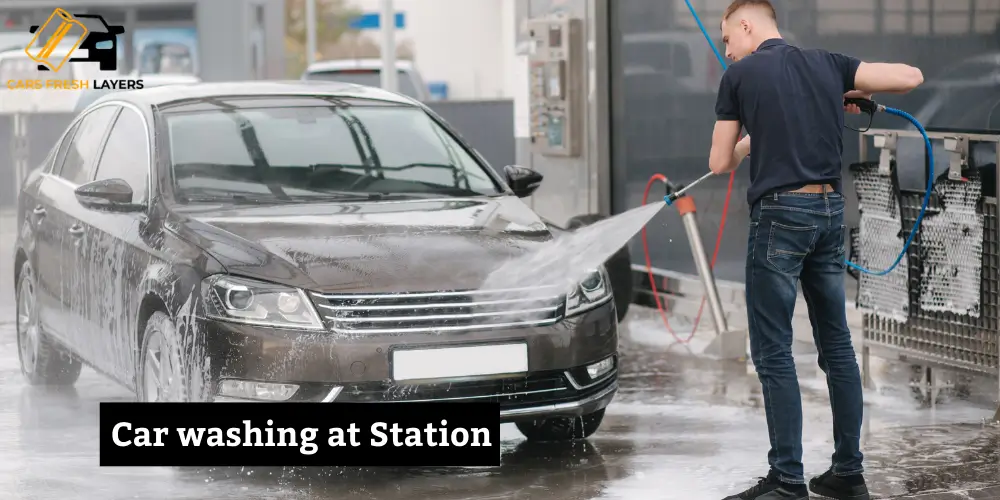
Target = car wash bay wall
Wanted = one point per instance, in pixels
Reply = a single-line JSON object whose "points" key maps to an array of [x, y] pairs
{"points": [[573, 185], [664, 78]]}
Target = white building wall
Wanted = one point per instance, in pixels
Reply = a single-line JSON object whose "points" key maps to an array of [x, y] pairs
{"points": [[469, 44]]}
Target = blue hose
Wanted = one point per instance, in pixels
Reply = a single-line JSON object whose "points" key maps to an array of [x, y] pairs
{"points": [[923, 206], [892, 111]]}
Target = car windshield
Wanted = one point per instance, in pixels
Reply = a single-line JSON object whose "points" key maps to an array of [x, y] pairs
{"points": [[304, 153], [367, 77]]}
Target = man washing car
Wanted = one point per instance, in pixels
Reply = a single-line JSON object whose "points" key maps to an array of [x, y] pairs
{"points": [[791, 101]]}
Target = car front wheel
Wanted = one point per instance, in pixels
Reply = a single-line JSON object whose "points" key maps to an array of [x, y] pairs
{"points": [[561, 428], [43, 360], [162, 375]]}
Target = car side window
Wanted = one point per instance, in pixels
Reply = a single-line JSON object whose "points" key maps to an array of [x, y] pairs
{"points": [[82, 150], [126, 154], [63, 148]]}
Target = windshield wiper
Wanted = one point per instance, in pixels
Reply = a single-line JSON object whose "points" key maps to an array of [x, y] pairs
{"points": [[236, 199], [408, 166], [337, 196]]}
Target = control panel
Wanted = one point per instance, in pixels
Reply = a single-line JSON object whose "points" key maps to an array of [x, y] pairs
{"points": [[556, 92]]}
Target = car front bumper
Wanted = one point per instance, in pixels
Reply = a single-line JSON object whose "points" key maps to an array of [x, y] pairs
{"points": [[327, 367]]}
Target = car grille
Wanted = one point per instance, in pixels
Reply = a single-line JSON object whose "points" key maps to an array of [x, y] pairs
{"points": [[510, 393], [441, 311]]}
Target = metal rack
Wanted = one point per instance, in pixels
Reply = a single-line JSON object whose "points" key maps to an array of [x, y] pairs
{"points": [[938, 339]]}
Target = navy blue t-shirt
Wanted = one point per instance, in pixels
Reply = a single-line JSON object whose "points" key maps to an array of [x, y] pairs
{"points": [[791, 102]]}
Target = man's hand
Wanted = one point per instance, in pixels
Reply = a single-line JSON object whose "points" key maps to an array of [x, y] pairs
{"points": [[742, 149], [725, 138], [854, 94]]}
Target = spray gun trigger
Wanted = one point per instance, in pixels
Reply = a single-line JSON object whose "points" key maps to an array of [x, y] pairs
{"points": [[867, 106]]}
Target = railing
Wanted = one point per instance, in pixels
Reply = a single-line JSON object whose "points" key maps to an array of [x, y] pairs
{"points": [[941, 306]]}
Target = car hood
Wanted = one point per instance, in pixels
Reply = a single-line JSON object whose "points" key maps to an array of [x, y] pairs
{"points": [[413, 245]]}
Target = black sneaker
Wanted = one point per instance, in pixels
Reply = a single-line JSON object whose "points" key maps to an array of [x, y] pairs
{"points": [[770, 488], [839, 487]]}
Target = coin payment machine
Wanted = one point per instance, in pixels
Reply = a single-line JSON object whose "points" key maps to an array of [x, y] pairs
{"points": [[556, 89]]}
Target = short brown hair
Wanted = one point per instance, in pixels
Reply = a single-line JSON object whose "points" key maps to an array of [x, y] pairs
{"points": [[739, 4]]}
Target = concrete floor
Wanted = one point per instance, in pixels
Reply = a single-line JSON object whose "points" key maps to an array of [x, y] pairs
{"points": [[682, 427]]}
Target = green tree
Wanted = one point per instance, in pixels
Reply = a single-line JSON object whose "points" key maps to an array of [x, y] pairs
{"points": [[332, 22]]}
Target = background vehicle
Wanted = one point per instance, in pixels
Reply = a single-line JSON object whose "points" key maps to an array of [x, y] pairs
{"points": [[16, 66], [369, 72], [166, 59], [680, 60], [285, 242]]}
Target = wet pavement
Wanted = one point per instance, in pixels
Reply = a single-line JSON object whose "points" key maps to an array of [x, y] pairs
{"points": [[682, 427]]}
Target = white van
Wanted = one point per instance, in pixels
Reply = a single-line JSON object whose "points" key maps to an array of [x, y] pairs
{"points": [[369, 72]]}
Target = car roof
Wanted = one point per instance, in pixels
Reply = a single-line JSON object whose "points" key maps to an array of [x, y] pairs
{"points": [[343, 64], [163, 95]]}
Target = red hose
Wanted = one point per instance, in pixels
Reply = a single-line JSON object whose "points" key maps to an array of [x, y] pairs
{"points": [[715, 255]]}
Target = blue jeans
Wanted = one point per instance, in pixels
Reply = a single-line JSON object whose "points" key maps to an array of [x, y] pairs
{"points": [[793, 237]]}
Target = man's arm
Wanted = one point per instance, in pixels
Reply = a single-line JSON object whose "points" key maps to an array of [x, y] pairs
{"points": [[887, 78], [726, 152], [870, 78]]}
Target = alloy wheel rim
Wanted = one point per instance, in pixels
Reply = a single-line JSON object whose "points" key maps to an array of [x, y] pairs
{"points": [[27, 323], [157, 372]]}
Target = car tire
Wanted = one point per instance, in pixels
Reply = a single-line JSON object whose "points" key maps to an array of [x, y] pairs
{"points": [[43, 360], [162, 363], [560, 429], [619, 267]]}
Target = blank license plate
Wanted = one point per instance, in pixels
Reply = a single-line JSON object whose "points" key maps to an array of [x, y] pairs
{"points": [[455, 362]]}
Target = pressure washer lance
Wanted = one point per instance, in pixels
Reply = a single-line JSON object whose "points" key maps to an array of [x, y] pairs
{"points": [[867, 106], [673, 192]]}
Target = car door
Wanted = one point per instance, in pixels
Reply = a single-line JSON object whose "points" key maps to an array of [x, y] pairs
{"points": [[116, 254], [49, 229], [75, 170]]}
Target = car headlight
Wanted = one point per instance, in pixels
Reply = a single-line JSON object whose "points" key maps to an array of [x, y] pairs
{"points": [[588, 293], [244, 300]]}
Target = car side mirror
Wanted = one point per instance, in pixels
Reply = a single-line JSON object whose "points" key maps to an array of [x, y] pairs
{"points": [[108, 195], [522, 180]]}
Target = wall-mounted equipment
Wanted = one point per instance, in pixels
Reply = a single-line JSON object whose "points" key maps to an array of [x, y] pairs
{"points": [[557, 85]]}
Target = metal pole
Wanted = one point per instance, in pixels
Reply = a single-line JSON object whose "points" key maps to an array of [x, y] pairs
{"points": [[996, 416], [20, 151], [388, 26], [310, 31], [705, 271]]}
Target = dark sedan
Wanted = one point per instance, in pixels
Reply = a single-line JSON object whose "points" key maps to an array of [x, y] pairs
{"points": [[299, 242]]}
